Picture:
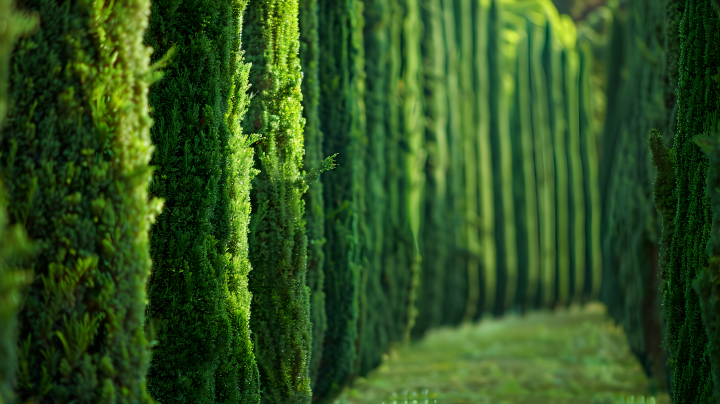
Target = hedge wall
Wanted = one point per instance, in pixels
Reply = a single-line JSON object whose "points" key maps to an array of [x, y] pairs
{"points": [[75, 153]]}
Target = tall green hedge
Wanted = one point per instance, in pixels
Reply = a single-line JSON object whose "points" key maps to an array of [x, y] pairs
{"points": [[697, 93], [375, 333], [14, 242], [313, 198], [280, 319], [437, 231], [198, 298], [342, 121], [457, 288], [75, 153], [631, 226]]}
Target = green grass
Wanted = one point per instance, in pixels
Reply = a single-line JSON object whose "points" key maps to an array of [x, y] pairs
{"points": [[574, 355]]}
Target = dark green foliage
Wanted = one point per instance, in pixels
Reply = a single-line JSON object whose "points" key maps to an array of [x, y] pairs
{"points": [[198, 297], [343, 126], [437, 231], [456, 285], [278, 246], [697, 115], [14, 245], [314, 205], [631, 225], [374, 335], [707, 289], [75, 153]]}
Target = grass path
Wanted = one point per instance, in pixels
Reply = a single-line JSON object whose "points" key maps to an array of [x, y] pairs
{"points": [[574, 355]]}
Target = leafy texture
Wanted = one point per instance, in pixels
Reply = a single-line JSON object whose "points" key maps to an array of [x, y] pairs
{"points": [[278, 245], [343, 127], [697, 115], [631, 225], [14, 243], [314, 204], [75, 154]]}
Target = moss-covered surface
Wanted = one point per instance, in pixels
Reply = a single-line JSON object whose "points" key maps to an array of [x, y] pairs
{"points": [[572, 356]]}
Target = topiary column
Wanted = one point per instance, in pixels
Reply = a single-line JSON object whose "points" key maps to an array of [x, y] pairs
{"points": [[75, 154], [697, 94], [313, 199], [342, 122], [280, 319]]}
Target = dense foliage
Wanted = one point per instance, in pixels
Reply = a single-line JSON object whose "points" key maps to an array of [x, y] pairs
{"points": [[348, 176], [75, 154]]}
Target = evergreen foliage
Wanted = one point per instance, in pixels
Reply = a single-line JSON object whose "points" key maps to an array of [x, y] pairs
{"points": [[437, 230], [14, 245], [631, 225], [313, 199], [342, 122], [75, 153], [280, 319], [457, 288], [198, 298], [697, 93]]}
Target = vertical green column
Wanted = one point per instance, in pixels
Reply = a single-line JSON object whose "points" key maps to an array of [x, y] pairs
{"points": [[413, 155], [558, 127], [375, 332], [436, 233], [280, 319], [469, 148], [543, 155], [507, 48], [526, 194], [198, 297], [482, 116], [313, 199], [697, 115], [576, 231], [457, 284], [75, 152], [15, 245], [342, 121]]}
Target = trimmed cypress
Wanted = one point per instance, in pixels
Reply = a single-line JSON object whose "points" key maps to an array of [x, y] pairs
{"points": [[437, 231], [469, 149], [198, 298], [75, 154], [697, 115], [457, 286], [14, 246], [375, 333], [278, 245], [631, 224], [313, 198], [482, 63], [343, 126]]}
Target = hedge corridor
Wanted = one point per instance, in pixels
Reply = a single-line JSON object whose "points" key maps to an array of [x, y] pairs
{"points": [[255, 201]]}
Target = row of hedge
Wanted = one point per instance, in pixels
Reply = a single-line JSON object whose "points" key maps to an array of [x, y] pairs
{"points": [[660, 215], [188, 247]]}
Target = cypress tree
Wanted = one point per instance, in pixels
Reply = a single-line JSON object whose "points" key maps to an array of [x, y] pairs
{"points": [[15, 245], [469, 150], [198, 297], [75, 154], [343, 126], [437, 238], [482, 62], [278, 245], [413, 158], [313, 199], [457, 286], [631, 225], [525, 190], [375, 333], [697, 93]]}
